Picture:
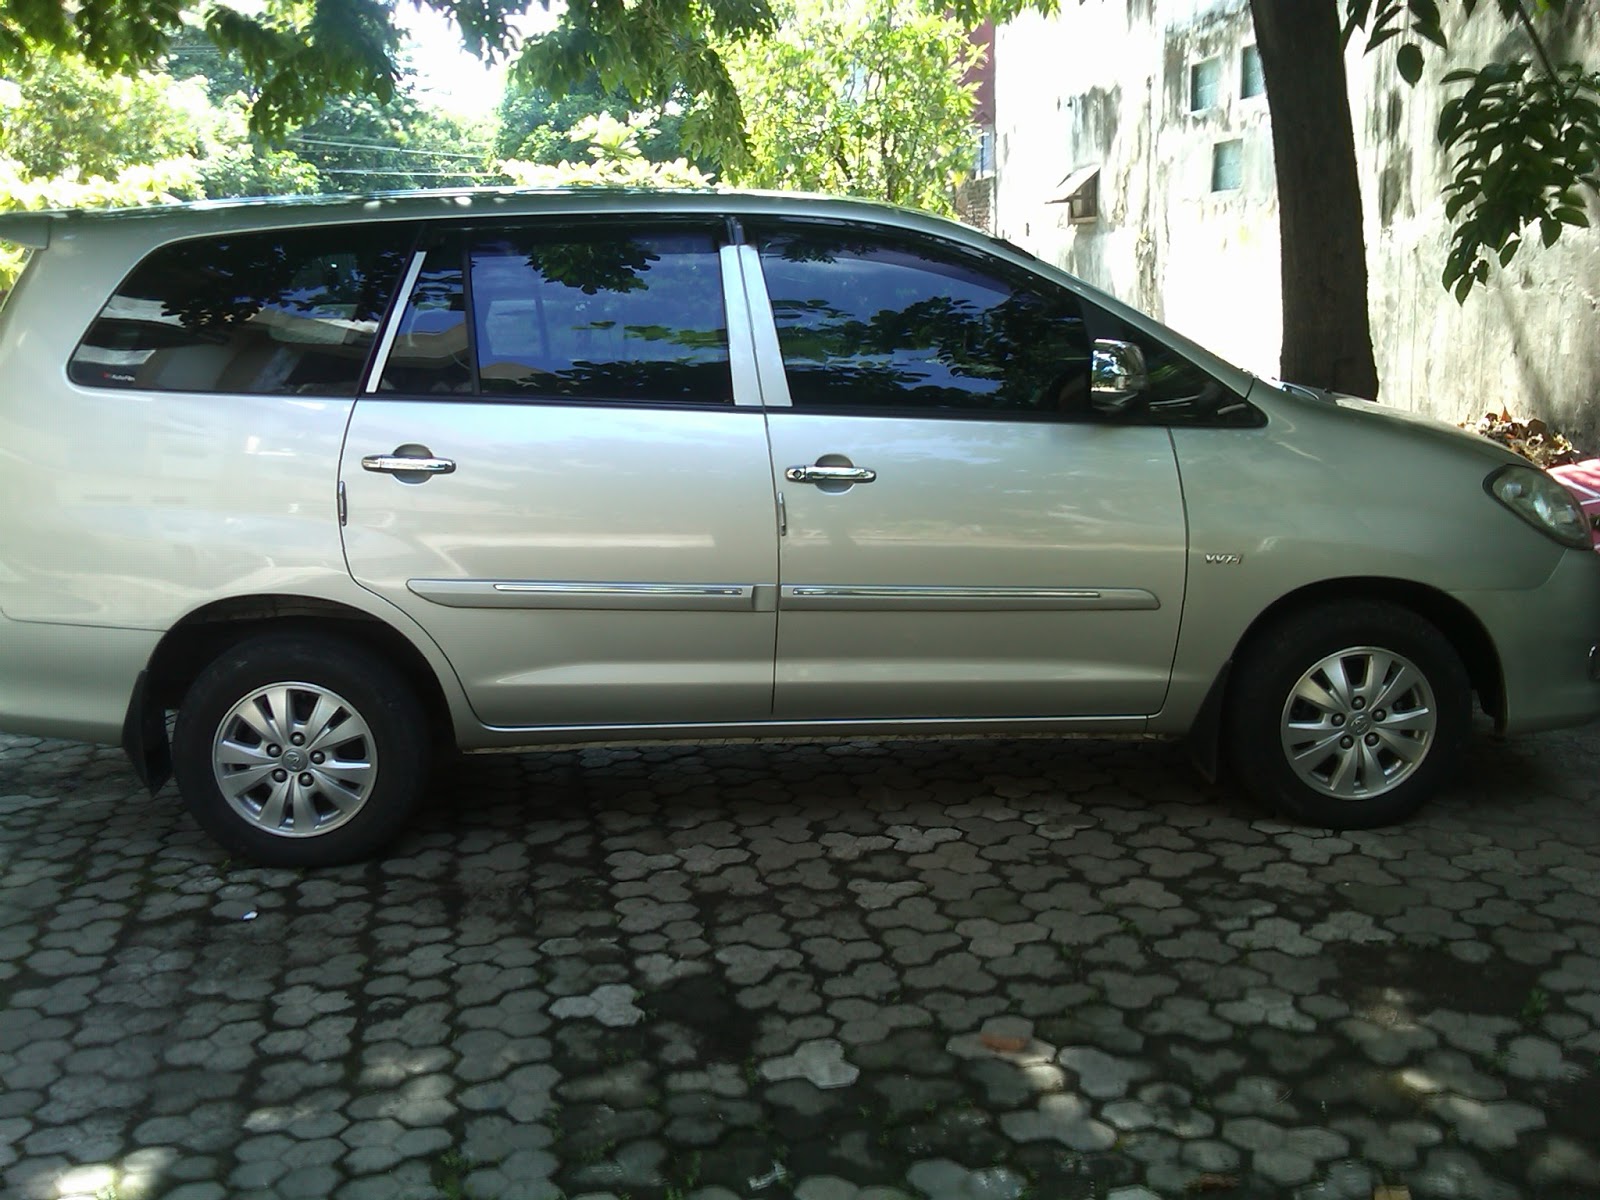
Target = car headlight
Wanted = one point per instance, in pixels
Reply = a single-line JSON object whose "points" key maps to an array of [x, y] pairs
{"points": [[1541, 502]]}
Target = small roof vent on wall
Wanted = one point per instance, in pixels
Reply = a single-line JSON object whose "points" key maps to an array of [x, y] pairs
{"points": [[1080, 192]]}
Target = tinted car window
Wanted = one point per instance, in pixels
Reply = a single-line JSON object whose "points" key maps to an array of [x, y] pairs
{"points": [[602, 315], [869, 322], [430, 354], [288, 312], [1179, 393]]}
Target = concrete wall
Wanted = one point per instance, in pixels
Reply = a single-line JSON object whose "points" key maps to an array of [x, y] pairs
{"points": [[1109, 82]]}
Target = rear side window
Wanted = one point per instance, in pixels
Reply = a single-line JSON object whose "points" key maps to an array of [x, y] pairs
{"points": [[290, 312], [568, 313]]}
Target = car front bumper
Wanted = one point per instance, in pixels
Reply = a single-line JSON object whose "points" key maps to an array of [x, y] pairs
{"points": [[1546, 639]]}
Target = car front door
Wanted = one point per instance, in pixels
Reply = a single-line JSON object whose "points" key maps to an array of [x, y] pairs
{"points": [[962, 535], [561, 473]]}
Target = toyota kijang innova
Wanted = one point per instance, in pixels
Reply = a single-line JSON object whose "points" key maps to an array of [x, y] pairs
{"points": [[341, 482]]}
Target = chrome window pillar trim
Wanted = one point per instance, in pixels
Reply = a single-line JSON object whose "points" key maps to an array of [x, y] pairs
{"points": [[764, 332], [380, 360], [596, 594], [741, 344], [911, 598]]}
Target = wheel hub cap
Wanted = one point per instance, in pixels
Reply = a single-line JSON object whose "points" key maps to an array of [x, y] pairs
{"points": [[294, 760], [1359, 723]]}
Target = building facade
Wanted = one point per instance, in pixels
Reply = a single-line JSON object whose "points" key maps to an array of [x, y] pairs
{"points": [[1134, 148]]}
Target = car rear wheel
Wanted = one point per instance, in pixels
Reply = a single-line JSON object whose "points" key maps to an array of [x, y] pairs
{"points": [[300, 751], [1348, 716]]}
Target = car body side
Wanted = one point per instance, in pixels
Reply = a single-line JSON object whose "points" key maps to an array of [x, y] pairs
{"points": [[131, 551]]}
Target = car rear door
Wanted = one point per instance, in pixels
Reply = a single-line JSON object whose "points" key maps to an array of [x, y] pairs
{"points": [[560, 470], [963, 536]]}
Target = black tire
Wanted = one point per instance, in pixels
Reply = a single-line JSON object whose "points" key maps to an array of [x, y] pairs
{"points": [[344, 815], [1260, 710]]}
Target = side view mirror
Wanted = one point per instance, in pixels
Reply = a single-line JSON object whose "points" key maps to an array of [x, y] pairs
{"points": [[1117, 376]]}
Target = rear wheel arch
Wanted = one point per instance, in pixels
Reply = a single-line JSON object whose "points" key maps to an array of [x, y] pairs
{"points": [[193, 643], [301, 749]]}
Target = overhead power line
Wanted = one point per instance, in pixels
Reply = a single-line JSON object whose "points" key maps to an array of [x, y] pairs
{"points": [[382, 149], [417, 174]]}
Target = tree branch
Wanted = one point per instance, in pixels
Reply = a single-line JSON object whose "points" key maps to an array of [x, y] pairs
{"points": [[1538, 46]]}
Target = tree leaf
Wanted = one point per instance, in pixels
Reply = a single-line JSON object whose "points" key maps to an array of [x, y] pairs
{"points": [[1409, 62]]}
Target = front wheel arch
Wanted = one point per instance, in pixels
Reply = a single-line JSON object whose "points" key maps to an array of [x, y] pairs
{"points": [[1459, 625], [1347, 715]]}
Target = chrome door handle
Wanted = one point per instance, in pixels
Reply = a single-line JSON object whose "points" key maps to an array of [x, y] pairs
{"points": [[401, 464], [821, 474]]}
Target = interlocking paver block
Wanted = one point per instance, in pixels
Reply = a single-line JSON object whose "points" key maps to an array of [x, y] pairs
{"points": [[847, 969]]}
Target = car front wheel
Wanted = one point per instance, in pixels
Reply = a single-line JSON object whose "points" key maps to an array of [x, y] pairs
{"points": [[300, 751], [1348, 716]]}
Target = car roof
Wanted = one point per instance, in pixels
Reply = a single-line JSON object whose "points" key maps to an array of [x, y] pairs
{"points": [[35, 228]]}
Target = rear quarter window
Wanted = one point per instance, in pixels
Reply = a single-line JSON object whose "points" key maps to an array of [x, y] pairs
{"points": [[286, 312]]}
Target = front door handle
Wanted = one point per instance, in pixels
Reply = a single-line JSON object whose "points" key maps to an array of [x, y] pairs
{"points": [[408, 464], [817, 473]]}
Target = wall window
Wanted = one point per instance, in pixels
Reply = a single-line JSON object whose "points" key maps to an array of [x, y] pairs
{"points": [[1080, 192], [1227, 166], [983, 157], [1205, 84], [873, 323], [1251, 81], [290, 312]]}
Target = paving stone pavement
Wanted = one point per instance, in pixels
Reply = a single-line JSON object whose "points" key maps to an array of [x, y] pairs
{"points": [[975, 970]]}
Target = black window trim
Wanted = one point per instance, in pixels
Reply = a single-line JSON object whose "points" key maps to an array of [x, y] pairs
{"points": [[1009, 272], [1098, 322], [723, 229]]}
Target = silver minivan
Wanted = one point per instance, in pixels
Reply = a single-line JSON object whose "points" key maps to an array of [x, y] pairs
{"points": [[346, 482]]}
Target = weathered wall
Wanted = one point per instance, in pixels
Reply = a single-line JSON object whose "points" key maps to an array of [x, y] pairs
{"points": [[1107, 81], [1530, 341]]}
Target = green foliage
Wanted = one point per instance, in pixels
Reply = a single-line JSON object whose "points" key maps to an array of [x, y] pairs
{"points": [[1523, 144], [867, 100], [291, 58], [76, 138], [358, 145], [654, 52], [615, 159], [1523, 138], [61, 115], [534, 123]]}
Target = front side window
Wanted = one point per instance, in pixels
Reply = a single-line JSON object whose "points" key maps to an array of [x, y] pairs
{"points": [[288, 312], [870, 322], [1178, 392]]}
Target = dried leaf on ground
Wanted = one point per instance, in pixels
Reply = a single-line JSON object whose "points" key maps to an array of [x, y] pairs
{"points": [[1001, 1044], [1533, 439], [1212, 1181]]}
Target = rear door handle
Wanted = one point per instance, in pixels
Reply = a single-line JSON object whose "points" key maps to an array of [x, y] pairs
{"points": [[407, 464], [821, 474]]}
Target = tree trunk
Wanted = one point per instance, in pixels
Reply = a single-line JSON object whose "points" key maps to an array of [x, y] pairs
{"points": [[1327, 340]]}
